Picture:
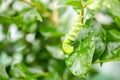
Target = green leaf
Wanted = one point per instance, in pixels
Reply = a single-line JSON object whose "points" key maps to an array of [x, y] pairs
{"points": [[115, 34], [50, 32], [117, 21], [53, 66], [100, 38], [31, 15], [52, 76], [8, 20], [55, 51], [112, 51], [113, 7], [20, 71], [74, 3], [0, 2], [89, 2], [3, 73], [116, 51], [40, 4], [94, 5], [67, 75], [17, 72], [79, 61]]}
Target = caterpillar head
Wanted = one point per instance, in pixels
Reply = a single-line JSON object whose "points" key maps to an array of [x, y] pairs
{"points": [[67, 48]]}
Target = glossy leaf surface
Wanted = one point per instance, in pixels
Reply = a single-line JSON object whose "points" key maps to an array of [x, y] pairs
{"points": [[79, 61]]}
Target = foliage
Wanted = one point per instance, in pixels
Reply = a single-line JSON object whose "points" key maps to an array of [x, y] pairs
{"points": [[32, 33], [100, 45]]}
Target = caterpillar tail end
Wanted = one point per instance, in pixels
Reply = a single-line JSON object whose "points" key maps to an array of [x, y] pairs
{"points": [[67, 48]]}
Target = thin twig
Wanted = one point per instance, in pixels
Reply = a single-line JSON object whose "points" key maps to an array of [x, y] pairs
{"points": [[82, 12], [40, 9], [101, 61], [55, 14]]}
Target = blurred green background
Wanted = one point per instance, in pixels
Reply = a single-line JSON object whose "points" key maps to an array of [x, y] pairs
{"points": [[31, 35]]}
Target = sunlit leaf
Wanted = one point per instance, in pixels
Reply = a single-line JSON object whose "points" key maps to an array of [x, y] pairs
{"points": [[115, 34], [3, 73], [17, 20], [20, 71], [56, 52], [79, 61], [117, 21], [50, 32], [100, 38], [37, 54], [74, 3], [113, 7], [112, 52], [0, 2], [32, 14]]}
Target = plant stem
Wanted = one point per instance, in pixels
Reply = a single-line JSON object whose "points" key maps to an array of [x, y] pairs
{"points": [[101, 61], [82, 12], [41, 10], [55, 13]]}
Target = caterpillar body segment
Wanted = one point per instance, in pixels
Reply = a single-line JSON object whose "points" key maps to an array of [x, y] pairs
{"points": [[68, 48], [72, 35]]}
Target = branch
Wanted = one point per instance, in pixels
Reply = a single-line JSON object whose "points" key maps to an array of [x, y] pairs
{"points": [[55, 13], [101, 61], [41, 10], [82, 12]]}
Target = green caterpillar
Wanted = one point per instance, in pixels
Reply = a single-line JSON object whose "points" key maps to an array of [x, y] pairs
{"points": [[71, 36]]}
